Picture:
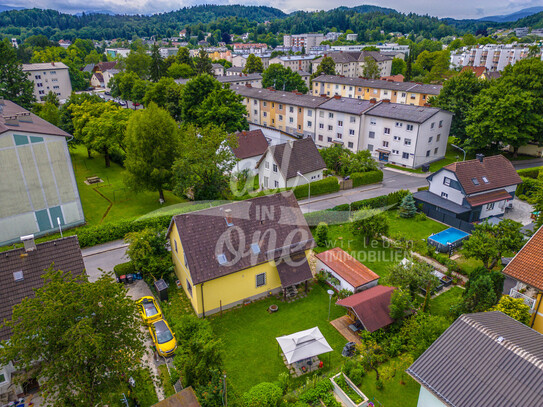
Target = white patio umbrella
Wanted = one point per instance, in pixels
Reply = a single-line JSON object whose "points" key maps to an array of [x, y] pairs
{"points": [[303, 345]]}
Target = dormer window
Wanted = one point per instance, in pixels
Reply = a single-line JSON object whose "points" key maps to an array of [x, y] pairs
{"points": [[485, 180], [221, 258], [475, 181]]}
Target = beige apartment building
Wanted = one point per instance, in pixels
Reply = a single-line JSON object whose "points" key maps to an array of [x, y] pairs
{"points": [[49, 77], [352, 63], [407, 93]]}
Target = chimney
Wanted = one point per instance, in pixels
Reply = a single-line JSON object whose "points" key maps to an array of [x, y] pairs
{"points": [[480, 157], [25, 117], [337, 97], [29, 243], [228, 217], [373, 101], [248, 85], [386, 100], [323, 95], [271, 88], [11, 120], [427, 105], [52, 63]]}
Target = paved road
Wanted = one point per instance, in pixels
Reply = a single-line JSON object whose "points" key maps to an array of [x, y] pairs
{"points": [[103, 258], [392, 181], [520, 165]]}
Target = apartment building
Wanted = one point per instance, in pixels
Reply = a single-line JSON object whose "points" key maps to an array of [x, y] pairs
{"points": [[387, 47], [253, 79], [303, 40], [495, 57], [400, 134], [292, 112], [295, 62], [409, 93], [242, 48], [49, 77], [239, 61], [352, 63]]}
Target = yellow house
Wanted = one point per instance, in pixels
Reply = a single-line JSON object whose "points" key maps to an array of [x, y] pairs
{"points": [[526, 271], [234, 253]]}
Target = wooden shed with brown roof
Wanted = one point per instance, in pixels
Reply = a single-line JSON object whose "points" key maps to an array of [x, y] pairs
{"points": [[526, 270], [350, 273], [184, 398]]}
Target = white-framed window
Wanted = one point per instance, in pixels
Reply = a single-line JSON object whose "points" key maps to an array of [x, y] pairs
{"points": [[291, 120], [309, 123], [264, 103], [405, 156], [321, 125], [340, 123], [280, 117], [403, 94], [330, 128], [395, 152], [409, 127], [350, 144], [428, 153], [447, 182], [407, 141], [260, 279], [430, 139], [266, 164], [438, 137], [436, 150], [280, 107], [321, 114], [53, 72], [444, 195], [432, 125], [339, 135], [370, 147], [320, 137], [399, 124], [352, 119], [373, 122], [385, 143], [330, 115], [276, 184], [490, 206], [265, 114], [310, 113], [291, 109], [440, 123], [255, 102], [387, 130], [351, 132], [274, 167], [397, 138], [329, 139], [371, 134], [256, 111], [189, 287]]}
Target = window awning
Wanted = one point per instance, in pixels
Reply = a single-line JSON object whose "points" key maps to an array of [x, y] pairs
{"points": [[381, 150]]}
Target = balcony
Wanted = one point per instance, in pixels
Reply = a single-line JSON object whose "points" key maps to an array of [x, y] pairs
{"points": [[529, 301]]}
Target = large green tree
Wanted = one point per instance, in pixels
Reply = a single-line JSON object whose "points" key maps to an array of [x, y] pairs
{"points": [[398, 66], [326, 67], [223, 107], [202, 63], [151, 147], [14, 83], [139, 62], [166, 94], [194, 93], [84, 335], [369, 224], [147, 252], [157, 68], [253, 64], [204, 161], [371, 68], [282, 78], [183, 56], [457, 97]]}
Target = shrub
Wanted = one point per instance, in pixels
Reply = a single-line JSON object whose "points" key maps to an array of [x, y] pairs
{"points": [[124, 269], [263, 395], [379, 384], [407, 207], [321, 235], [365, 178], [528, 187], [324, 186], [344, 293], [530, 172], [423, 188], [318, 392]]}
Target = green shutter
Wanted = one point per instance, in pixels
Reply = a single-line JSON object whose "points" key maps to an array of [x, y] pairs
{"points": [[44, 222]]}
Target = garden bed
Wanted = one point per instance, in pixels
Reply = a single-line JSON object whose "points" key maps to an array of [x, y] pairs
{"points": [[350, 395]]}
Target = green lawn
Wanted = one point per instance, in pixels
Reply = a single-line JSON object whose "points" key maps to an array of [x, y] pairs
{"points": [[393, 394], [111, 200], [252, 354], [441, 304], [413, 229]]}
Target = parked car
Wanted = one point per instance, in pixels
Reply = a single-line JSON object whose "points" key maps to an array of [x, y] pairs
{"points": [[149, 309], [121, 102], [163, 338], [107, 92]]}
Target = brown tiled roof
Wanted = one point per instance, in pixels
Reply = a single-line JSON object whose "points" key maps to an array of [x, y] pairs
{"points": [[484, 359], [393, 78], [350, 269], [493, 75], [492, 196], [527, 265], [497, 169], [477, 70], [64, 254], [99, 76], [185, 398], [297, 155], [37, 125], [274, 222], [250, 144], [371, 306], [295, 271], [104, 66]]}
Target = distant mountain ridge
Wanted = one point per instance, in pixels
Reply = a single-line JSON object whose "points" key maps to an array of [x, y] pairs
{"points": [[9, 8], [508, 18]]}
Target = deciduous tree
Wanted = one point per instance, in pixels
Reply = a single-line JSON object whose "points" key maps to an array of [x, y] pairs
{"points": [[515, 308], [202, 63], [282, 78], [253, 64], [14, 83], [371, 68], [369, 224], [194, 93], [223, 107], [84, 335], [151, 147]]}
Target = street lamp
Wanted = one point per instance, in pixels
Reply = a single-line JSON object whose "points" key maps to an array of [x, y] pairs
{"points": [[308, 191], [330, 293], [461, 149]]}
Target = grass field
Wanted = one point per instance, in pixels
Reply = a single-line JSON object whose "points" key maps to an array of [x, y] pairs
{"points": [[252, 354], [111, 200], [441, 304], [413, 229]]}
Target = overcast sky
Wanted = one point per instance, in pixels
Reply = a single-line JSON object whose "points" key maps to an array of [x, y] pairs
{"points": [[440, 8]]}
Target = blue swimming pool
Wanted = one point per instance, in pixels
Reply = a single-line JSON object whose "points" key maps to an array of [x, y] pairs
{"points": [[453, 236]]}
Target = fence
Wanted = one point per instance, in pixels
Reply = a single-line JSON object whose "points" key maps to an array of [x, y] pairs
{"points": [[448, 219]]}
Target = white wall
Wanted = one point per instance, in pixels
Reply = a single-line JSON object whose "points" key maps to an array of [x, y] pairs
{"points": [[427, 399], [431, 129], [311, 176], [267, 175], [437, 187], [248, 164], [343, 285]]}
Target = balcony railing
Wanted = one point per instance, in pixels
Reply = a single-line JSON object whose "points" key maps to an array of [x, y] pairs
{"points": [[529, 301]]}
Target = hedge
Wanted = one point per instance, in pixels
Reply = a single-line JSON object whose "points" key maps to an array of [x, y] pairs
{"points": [[530, 172], [365, 178], [324, 186], [528, 187]]}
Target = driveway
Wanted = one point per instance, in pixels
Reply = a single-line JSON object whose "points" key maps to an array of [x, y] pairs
{"points": [[521, 212], [393, 180]]}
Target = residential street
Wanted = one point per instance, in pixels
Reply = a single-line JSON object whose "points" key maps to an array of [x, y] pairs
{"points": [[520, 165]]}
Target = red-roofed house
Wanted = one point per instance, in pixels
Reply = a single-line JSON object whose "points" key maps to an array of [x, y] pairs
{"points": [[477, 70], [251, 146], [470, 191], [526, 270], [350, 273], [370, 307]]}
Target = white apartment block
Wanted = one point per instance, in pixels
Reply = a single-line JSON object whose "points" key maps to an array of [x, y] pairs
{"points": [[493, 57], [239, 61], [49, 77], [352, 63], [400, 134], [303, 40], [387, 47], [295, 62]]}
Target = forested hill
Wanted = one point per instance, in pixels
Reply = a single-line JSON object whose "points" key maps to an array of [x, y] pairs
{"points": [[534, 21], [48, 22]]}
